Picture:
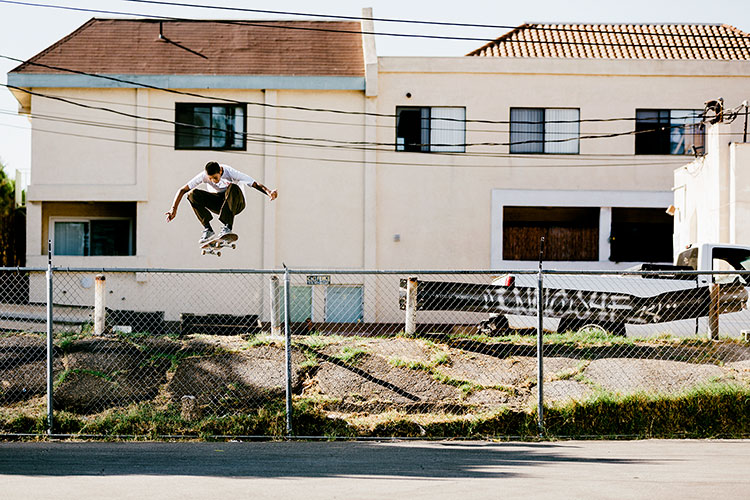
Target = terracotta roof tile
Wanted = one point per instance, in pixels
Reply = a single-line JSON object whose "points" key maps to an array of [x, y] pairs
{"points": [[621, 41], [132, 46]]}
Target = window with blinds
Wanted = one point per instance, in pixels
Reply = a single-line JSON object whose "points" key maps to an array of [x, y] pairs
{"points": [[431, 129], [544, 130]]}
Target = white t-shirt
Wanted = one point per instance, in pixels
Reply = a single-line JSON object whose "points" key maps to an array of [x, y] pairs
{"points": [[228, 176]]}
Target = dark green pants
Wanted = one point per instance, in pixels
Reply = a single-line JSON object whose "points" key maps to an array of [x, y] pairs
{"points": [[226, 204]]}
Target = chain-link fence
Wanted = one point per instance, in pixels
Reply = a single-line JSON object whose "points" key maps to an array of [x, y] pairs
{"points": [[382, 353]]}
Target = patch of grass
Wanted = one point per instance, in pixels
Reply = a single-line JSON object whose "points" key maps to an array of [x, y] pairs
{"points": [[351, 355], [572, 373], [410, 364], [264, 340], [310, 362], [66, 339], [707, 411], [68, 373], [467, 387], [717, 410]]}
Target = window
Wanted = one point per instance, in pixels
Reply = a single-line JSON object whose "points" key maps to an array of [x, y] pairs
{"points": [[728, 259], [641, 235], [668, 132], [344, 304], [112, 237], [571, 233], [202, 126], [431, 129], [689, 258], [300, 303], [540, 130]]}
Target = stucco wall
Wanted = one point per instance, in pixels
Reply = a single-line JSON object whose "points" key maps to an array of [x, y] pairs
{"points": [[342, 206]]}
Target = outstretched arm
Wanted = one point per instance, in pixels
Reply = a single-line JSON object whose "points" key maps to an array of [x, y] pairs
{"points": [[172, 213], [263, 189]]}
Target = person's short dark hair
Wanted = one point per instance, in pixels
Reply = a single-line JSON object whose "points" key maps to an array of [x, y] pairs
{"points": [[212, 168]]}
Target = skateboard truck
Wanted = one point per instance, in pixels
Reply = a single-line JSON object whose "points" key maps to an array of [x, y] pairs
{"points": [[214, 246]]}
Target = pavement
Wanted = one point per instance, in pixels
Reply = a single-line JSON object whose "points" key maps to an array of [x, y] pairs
{"points": [[680, 469]]}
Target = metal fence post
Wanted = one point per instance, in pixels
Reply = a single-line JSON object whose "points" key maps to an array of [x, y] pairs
{"points": [[275, 310], [99, 304], [713, 311], [288, 351], [50, 346], [539, 341], [411, 306]]}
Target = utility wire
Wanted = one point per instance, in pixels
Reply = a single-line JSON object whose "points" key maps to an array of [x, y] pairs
{"points": [[261, 24], [359, 162], [429, 23], [516, 156], [297, 108], [254, 137], [336, 143]]}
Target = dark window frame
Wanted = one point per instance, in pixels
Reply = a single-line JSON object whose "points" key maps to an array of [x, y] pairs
{"points": [[542, 142], [654, 134], [425, 146], [182, 130], [89, 238]]}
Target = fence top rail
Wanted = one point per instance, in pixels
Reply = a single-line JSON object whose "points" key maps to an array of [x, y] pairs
{"points": [[417, 272], [278, 271], [626, 272]]}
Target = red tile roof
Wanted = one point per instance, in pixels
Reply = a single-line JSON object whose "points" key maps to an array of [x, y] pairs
{"points": [[132, 46], [621, 41]]}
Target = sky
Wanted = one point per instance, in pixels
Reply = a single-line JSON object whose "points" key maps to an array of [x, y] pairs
{"points": [[26, 30]]}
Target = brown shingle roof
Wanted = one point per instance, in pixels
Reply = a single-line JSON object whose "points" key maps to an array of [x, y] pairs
{"points": [[132, 46], [621, 41]]}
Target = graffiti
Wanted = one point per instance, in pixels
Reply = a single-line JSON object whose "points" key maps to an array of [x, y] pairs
{"points": [[563, 303]]}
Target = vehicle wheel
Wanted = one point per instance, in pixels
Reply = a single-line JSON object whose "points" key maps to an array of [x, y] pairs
{"points": [[576, 324], [570, 325], [496, 325]]}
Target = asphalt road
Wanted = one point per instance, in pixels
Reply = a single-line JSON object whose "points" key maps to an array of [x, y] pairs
{"points": [[353, 470]]}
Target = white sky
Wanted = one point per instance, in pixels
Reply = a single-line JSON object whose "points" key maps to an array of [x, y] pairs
{"points": [[27, 30]]}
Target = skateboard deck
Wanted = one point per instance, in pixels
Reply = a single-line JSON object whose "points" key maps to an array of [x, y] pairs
{"points": [[215, 245]]}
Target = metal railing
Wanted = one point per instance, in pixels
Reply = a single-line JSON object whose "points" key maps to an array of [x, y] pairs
{"points": [[201, 351]]}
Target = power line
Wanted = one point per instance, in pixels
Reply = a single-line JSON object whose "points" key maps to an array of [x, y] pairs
{"points": [[286, 106], [352, 144], [279, 106], [515, 156], [361, 162], [260, 24], [428, 23]]}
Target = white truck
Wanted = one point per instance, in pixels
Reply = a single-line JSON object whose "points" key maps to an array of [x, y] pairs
{"points": [[643, 295]]}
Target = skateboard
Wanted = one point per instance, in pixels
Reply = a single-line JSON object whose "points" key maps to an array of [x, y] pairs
{"points": [[215, 245]]}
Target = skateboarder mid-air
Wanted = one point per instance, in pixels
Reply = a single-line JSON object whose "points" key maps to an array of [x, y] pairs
{"points": [[223, 197]]}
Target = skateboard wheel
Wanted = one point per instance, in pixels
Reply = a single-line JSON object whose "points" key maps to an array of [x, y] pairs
{"points": [[218, 254], [234, 246], [203, 252]]}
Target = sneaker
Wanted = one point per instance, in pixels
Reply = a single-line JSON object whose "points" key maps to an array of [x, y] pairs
{"points": [[225, 231], [208, 234]]}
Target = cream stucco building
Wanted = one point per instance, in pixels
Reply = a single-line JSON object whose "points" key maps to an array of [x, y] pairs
{"points": [[566, 131], [712, 193]]}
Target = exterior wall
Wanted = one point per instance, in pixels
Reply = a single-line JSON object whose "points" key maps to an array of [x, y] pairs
{"points": [[342, 207], [317, 218], [739, 193], [711, 194], [443, 212]]}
